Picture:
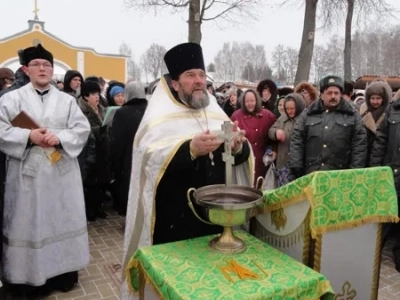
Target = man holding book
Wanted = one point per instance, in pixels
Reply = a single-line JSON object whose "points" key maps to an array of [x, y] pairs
{"points": [[42, 131]]}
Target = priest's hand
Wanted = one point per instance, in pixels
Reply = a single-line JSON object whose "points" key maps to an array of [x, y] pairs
{"points": [[50, 139], [36, 137], [204, 143], [237, 142]]}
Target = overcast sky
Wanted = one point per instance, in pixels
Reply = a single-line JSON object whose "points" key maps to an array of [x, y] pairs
{"points": [[105, 24]]}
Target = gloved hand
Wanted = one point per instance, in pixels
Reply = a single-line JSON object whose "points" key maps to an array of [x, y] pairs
{"points": [[297, 172]]}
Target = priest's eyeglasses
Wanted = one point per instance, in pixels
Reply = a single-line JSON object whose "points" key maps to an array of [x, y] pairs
{"points": [[38, 65]]}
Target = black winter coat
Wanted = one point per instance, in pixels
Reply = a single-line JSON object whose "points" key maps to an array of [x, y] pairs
{"points": [[386, 148], [100, 173], [124, 127], [328, 140]]}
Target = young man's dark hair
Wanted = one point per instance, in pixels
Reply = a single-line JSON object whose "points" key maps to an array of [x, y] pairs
{"points": [[348, 88]]}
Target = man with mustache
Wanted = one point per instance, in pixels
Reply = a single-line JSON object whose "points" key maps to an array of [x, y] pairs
{"points": [[175, 149], [329, 135]]}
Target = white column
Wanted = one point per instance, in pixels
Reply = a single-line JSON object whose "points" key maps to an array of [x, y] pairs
{"points": [[80, 62], [126, 70]]}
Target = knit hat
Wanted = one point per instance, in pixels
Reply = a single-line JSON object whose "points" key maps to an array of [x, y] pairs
{"points": [[116, 90], [37, 52], [184, 57]]}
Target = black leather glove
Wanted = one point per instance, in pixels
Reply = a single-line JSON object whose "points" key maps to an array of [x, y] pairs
{"points": [[297, 172]]}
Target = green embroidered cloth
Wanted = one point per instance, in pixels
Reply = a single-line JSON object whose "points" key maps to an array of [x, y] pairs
{"points": [[340, 199], [190, 270]]}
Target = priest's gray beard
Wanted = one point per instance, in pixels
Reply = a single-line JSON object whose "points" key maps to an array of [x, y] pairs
{"points": [[195, 101]]}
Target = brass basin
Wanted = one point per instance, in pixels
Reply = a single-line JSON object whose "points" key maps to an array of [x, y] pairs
{"points": [[227, 207]]}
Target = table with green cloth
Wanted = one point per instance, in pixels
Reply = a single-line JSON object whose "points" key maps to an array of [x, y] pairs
{"points": [[313, 217], [340, 199], [191, 270]]}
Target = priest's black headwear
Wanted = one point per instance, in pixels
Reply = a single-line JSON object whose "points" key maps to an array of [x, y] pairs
{"points": [[184, 57], [36, 52]]}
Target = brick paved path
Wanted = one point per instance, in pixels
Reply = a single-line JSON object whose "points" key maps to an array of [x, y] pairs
{"points": [[106, 238]]}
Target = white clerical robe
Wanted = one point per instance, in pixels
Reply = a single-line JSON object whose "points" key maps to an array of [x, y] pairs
{"points": [[44, 231], [166, 124]]}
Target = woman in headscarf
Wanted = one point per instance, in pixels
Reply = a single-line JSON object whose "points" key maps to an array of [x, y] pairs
{"points": [[281, 131], [115, 93], [256, 121], [377, 97]]}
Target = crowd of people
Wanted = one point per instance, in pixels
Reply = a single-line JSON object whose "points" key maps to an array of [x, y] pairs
{"points": [[94, 141]]}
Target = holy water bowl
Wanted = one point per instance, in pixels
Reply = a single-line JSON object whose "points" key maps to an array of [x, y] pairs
{"points": [[225, 206]]}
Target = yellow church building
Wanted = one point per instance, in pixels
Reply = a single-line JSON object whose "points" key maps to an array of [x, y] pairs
{"points": [[66, 57]]}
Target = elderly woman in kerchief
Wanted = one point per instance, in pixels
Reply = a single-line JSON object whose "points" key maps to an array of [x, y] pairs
{"points": [[309, 92], [256, 121], [377, 97], [281, 131]]}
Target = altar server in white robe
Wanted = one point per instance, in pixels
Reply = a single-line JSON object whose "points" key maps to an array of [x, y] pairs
{"points": [[45, 240]]}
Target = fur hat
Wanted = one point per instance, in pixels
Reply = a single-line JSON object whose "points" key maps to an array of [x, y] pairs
{"points": [[268, 84], [21, 57], [309, 88], [37, 52], [6, 73], [89, 87], [380, 88], [93, 78], [388, 87], [331, 80], [285, 91], [184, 57]]}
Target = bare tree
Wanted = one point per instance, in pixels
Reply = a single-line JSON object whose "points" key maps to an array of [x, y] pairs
{"points": [[318, 65], [211, 68], [201, 11], [249, 73], [333, 10], [374, 52], [153, 61], [307, 42], [133, 70], [278, 56], [223, 63], [241, 61], [358, 54], [145, 69], [334, 56], [290, 62]]}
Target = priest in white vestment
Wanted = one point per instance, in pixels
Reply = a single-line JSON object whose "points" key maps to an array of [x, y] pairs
{"points": [[175, 148], [45, 239]]}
